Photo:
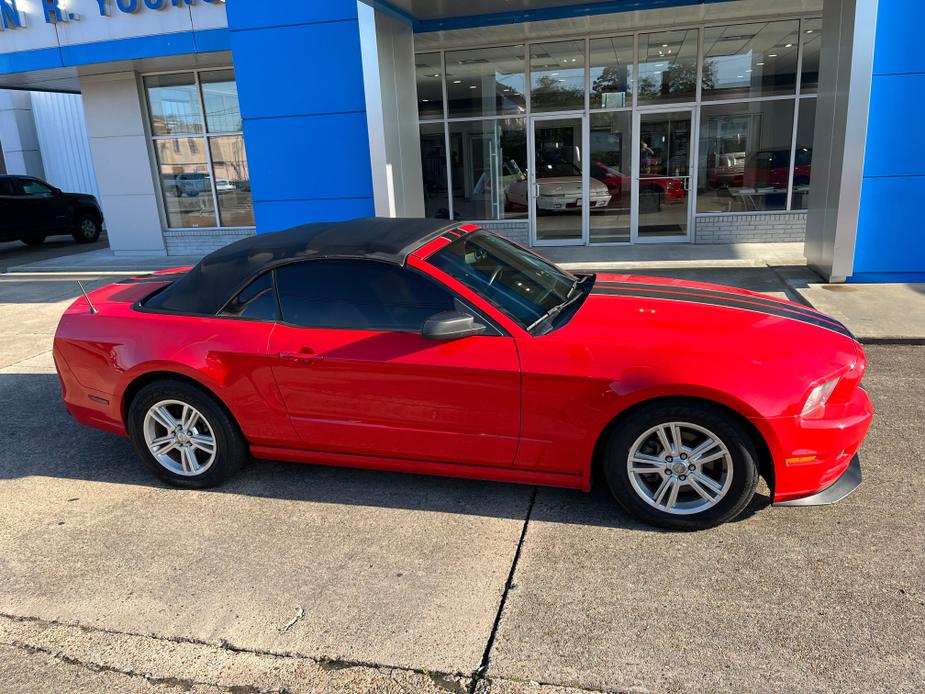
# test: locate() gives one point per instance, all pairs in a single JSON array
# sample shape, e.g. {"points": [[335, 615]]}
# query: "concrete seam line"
{"points": [[482, 670]]}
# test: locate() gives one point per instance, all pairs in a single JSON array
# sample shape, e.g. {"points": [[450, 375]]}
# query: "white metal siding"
{"points": [[62, 135]]}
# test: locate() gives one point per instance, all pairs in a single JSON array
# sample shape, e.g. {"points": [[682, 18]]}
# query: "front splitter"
{"points": [[835, 492]]}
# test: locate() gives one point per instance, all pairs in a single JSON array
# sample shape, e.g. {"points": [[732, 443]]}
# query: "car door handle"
{"points": [[300, 356]]}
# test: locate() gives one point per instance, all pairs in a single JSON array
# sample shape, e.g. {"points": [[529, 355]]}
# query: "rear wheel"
{"points": [[184, 436], [34, 240], [683, 467], [87, 230]]}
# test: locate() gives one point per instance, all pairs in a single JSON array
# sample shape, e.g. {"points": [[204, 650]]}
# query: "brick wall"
{"points": [[517, 231], [202, 242], [743, 228]]}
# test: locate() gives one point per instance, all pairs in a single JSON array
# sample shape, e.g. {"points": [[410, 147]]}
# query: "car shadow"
{"points": [[49, 443]]}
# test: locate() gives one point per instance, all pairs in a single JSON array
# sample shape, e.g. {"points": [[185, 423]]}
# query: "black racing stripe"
{"points": [[764, 301], [152, 278], [726, 303]]}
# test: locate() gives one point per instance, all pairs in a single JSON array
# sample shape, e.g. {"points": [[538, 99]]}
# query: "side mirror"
{"points": [[451, 325]]}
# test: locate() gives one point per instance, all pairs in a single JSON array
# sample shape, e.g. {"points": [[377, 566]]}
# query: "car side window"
{"points": [[7, 187], [358, 295], [36, 189], [257, 301]]}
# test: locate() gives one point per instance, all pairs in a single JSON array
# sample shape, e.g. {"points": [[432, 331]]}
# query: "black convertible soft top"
{"points": [[220, 275]]}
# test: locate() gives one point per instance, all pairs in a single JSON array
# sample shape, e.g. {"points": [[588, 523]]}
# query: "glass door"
{"points": [[557, 181], [662, 186]]}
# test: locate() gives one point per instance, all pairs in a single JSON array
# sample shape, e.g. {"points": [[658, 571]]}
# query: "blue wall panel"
{"points": [[300, 85], [890, 242], [309, 68]]}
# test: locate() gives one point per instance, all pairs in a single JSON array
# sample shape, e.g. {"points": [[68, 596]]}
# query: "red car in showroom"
{"points": [[425, 346]]}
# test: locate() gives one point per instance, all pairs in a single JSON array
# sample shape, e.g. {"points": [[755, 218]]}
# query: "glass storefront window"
{"points": [[232, 181], [433, 171], [220, 94], [557, 76], [803, 160], [174, 104], [486, 81], [611, 167], [183, 165], [745, 156], [812, 45], [750, 60], [668, 66], [430, 85], [488, 162], [612, 72], [204, 180]]}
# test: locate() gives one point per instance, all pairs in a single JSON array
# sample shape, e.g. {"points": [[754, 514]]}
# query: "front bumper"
{"points": [[849, 481], [813, 455]]}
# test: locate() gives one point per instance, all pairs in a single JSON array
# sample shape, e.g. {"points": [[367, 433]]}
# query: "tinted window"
{"points": [[257, 301], [6, 187], [519, 283], [358, 295], [35, 188]]}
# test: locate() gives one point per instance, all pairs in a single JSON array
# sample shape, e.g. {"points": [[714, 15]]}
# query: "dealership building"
{"points": [[555, 123]]}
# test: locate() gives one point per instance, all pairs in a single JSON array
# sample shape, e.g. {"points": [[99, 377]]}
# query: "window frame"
{"points": [[493, 329], [696, 103], [204, 136]]}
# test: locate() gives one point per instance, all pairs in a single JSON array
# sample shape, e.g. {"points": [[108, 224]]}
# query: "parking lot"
{"points": [[302, 578]]}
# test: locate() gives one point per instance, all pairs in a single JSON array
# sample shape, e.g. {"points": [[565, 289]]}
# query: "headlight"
{"points": [[819, 396]]}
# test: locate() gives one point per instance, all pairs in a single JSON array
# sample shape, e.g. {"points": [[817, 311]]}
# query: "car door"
{"points": [[11, 212], [44, 208], [357, 376]]}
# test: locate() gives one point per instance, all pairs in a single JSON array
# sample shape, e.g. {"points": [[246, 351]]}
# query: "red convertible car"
{"points": [[425, 346]]}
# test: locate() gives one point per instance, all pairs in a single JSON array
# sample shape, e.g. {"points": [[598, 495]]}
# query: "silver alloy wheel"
{"points": [[88, 228], [680, 468], [180, 438]]}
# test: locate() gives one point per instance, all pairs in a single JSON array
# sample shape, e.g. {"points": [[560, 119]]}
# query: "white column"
{"points": [[387, 46], [124, 174], [845, 74], [18, 138]]}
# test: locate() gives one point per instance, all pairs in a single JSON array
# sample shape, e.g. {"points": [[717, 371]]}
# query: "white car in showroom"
{"points": [[559, 189]]}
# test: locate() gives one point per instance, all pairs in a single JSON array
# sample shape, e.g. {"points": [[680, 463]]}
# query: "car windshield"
{"points": [[518, 283]]}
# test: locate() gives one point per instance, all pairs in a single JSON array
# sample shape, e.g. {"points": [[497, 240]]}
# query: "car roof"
{"points": [[221, 275]]}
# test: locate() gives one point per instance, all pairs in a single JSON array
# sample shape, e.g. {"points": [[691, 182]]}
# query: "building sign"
{"points": [[54, 11]]}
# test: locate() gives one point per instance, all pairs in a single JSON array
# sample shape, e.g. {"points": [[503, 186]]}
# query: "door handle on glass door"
{"points": [[305, 355]]}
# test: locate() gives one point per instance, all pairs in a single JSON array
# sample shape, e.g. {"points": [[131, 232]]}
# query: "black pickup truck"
{"points": [[31, 209]]}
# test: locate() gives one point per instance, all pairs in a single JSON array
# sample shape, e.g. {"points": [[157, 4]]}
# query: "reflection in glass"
{"points": [[185, 182], [812, 45], [668, 66], [557, 76], [664, 170], [750, 60], [430, 85], [174, 103], [232, 181], [803, 161], [612, 72], [486, 81], [611, 163], [559, 191], [489, 164], [745, 156], [220, 94], [433, 170]]}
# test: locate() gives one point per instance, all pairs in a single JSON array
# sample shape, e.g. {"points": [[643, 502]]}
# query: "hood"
{"points": [[568, 185], [728, 338], [83, 197]]}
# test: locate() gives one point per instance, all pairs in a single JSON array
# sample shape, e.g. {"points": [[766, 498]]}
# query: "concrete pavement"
{"points": [[303, 578]]}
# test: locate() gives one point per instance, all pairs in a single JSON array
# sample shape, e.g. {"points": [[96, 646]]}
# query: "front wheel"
{"points": [[184, 436], [682, 467], [88, 229]]}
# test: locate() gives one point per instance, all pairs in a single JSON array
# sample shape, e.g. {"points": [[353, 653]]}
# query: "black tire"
{"points": [[87, 229], [34, 240], [721, 425], [231, 453]]}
